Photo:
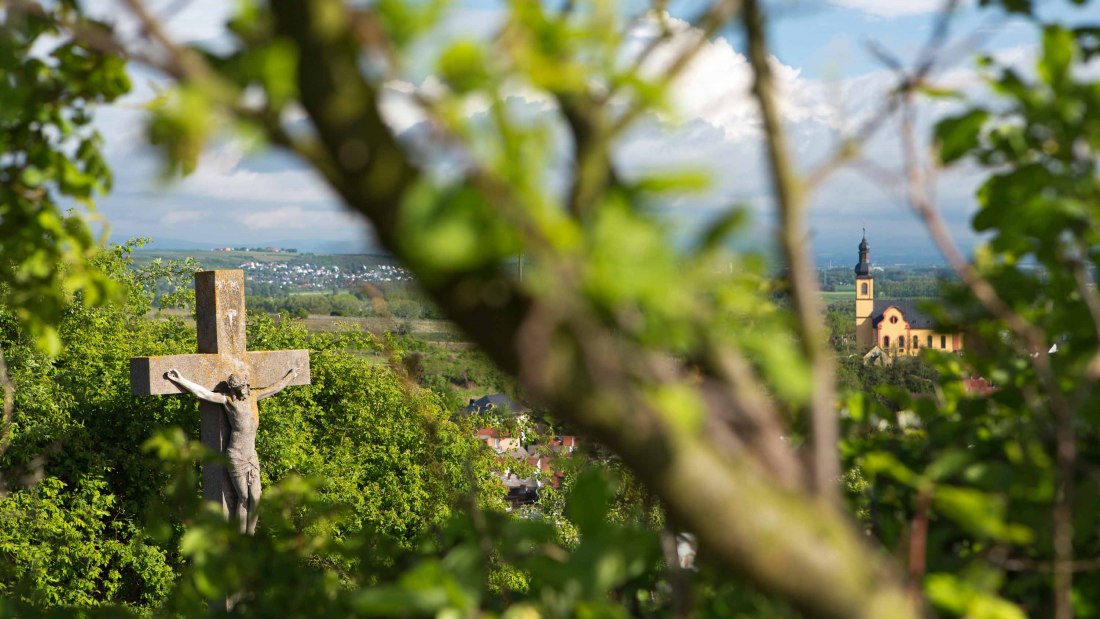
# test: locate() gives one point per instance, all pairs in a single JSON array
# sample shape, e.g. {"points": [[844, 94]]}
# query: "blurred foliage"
{"points": [[52, 159], [984, 471]]}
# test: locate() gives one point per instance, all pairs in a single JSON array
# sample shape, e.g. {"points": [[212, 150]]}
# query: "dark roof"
{"points": [[497, 401], [909, 308], [863, 268]]}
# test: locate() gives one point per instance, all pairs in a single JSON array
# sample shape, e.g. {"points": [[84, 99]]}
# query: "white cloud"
{"points": [[180, 216], [714, 93], [714, 127], [715, 86], [297, 218], [221, 175], [190, 22]]}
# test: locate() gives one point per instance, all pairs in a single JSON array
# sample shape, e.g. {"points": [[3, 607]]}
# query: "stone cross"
{"points": [[219, 317]]}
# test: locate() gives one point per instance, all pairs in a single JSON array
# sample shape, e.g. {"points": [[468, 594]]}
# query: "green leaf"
{"points": [[940, 93], [958, 135], [881, 462], [589, 501], [462, 67], [32, 176], [1059, 49], [947, 464], [950, 593], [981, 513]]}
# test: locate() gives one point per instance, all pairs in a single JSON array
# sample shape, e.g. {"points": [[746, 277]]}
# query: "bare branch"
{"points": [[791, 204], [918, 544], [930, 56], [183, 63]]}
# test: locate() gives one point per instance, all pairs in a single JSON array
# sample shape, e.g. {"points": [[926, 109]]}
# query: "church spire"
{"points": [[863, 268]]}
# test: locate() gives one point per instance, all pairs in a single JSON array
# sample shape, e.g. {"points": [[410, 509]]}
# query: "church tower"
{"points": [[865, 297]]}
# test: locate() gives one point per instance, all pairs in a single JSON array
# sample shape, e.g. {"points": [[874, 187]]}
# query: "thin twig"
{"points": [[679, 584], [754, 416], [791, 203], [1027, 565], [918, 544], [1085, 286], [184, 64], [929, 58]]}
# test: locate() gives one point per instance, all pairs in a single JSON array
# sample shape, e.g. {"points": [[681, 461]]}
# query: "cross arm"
{"points": [[265, 367], [267, 392], [270, 368], [147, 373]]}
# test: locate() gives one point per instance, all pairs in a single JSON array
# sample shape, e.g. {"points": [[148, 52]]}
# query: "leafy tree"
{"points": [[66, 547], [311, 304], [51, 157], [345, 304]]}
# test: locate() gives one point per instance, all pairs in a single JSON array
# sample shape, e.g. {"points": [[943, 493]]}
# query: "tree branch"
{"points": [[791, 204]]}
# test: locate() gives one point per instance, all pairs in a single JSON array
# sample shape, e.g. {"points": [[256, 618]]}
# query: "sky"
{"points": [[829, 82]]}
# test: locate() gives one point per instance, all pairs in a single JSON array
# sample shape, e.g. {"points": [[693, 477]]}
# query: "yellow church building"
{"points": [[894, 326]]}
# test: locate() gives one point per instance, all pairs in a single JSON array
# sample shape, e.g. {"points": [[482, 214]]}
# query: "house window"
{"points": [[893, 320], [863, 289], [886, 341], [916, 342], [943, 341], [930, 341]]}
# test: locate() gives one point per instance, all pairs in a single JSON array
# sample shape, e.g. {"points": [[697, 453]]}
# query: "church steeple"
{"points": [[863, 268], [865, 297]]}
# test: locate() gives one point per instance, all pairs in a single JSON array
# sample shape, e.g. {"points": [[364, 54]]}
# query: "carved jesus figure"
{"points": [[244, 418]]}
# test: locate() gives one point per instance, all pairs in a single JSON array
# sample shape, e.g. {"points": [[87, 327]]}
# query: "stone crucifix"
{"points": [[221, 376]]}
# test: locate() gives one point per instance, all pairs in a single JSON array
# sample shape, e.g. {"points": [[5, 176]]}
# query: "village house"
{"points": [[522, 482]]}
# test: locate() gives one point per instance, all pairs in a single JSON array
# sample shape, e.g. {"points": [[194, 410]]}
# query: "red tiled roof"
{"points": [[978, 386]]}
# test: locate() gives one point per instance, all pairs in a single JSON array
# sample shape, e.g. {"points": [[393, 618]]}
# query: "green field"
{"points": [[838, 295]]}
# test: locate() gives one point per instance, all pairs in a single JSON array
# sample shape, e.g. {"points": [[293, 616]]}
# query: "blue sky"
{"points": [[830, 82]]}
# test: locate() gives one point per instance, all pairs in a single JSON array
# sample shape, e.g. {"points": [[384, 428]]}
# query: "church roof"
{"points": [[497, 401], [909, 308], [863, 268]]}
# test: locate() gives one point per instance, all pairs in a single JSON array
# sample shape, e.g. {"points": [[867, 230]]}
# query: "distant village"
{"points": [[306, 276], [272, 250]]}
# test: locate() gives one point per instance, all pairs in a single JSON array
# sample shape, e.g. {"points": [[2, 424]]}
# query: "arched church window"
{"points": [[863, 289], [886, 341], [893, 320]]}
